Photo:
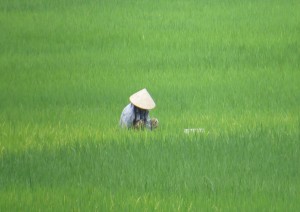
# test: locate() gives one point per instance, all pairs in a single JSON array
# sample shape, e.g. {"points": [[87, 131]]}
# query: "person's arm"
{"points": [[148, 121], [151, 123], [127, 116]]}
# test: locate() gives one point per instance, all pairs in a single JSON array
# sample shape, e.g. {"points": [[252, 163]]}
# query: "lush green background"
{"points": [[68, 67]]}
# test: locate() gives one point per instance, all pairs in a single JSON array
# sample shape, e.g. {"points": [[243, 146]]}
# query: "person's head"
{"points": [[140, 113]]}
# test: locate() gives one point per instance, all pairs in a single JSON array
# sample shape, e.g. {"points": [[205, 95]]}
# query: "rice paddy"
{"points": [[229, 68]]}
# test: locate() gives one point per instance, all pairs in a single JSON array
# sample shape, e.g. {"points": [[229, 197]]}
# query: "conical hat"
{"points": [[142, 99]]}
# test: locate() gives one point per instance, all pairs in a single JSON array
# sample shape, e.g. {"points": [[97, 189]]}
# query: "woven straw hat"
{"points": [[142, 99]]}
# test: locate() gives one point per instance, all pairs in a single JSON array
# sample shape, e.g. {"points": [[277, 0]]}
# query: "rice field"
{"points": [[231, 68]]}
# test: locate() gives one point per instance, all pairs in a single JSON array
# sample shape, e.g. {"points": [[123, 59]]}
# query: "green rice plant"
{"points": [[231, 68]]}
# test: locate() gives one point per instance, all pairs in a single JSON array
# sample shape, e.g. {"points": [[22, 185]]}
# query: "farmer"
{"points": [[136, 114]]}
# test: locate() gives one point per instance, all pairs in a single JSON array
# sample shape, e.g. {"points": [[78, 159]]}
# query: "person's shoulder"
{"points": [[128, 108], [129, 105]]}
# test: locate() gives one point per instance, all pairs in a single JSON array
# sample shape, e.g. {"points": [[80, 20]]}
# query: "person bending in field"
{"points": [[136, 113]]}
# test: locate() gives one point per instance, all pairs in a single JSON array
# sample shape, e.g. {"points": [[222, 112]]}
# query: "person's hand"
{"points": [[154, 123], [139, 125]]}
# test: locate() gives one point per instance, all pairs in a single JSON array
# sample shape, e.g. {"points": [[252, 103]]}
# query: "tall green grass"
{"points": [[68, 67]]}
